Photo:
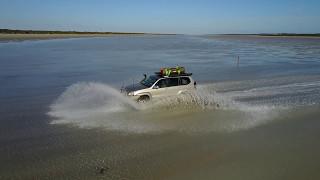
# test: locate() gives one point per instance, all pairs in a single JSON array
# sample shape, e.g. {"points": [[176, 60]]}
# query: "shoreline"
{"points": [[9, 35], [4, 37], [265, 36]]}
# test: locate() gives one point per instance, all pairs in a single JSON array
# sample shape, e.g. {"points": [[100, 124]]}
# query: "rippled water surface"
{"points": [[62, 115]]}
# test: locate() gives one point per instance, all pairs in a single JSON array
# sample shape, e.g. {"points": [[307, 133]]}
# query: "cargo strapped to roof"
{"points": [[173, 72]]}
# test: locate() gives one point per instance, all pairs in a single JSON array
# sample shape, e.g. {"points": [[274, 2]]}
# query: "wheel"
{"points": [[143, 99]]}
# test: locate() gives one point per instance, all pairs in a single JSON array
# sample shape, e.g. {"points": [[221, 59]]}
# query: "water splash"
{"points": [[91, 105], [83, 100]]}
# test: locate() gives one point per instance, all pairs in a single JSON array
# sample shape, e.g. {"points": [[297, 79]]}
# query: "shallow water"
{"points": [[62, 115]]}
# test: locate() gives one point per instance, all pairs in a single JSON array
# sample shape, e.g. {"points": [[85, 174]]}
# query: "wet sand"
{"points": [[285, 149], [60, 119]]}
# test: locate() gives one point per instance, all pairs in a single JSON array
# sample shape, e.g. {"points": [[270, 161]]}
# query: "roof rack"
{"points": [[173, 72], [173, 75]]}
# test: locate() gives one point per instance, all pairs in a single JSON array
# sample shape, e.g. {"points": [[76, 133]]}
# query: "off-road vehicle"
{"points": [[167, 82]]}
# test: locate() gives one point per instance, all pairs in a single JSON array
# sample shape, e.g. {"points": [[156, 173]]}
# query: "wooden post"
{"points": [[238, 61]]}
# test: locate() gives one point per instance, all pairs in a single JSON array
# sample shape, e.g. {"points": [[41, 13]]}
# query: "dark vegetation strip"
{"points": [[291, 34], [277, 34], [11, 31]]}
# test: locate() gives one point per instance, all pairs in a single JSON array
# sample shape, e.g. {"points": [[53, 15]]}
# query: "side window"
{"points": [[184, 80], [161, 83], [173, 82]]}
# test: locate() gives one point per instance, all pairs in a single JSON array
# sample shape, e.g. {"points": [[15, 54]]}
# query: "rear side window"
{"points": [[172, 82], [184, 80]]}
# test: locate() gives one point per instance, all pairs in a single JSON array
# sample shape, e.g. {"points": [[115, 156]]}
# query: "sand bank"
{"points": [[22, 37], [255, 36]]}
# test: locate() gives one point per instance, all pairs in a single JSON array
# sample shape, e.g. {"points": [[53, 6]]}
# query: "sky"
{"points": [[163, 16]]}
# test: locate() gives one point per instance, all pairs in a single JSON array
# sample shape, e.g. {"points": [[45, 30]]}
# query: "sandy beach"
{"points": [[22, 37]]}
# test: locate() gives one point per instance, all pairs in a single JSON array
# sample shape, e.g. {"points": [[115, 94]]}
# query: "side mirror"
{"points": [[155, 87]]}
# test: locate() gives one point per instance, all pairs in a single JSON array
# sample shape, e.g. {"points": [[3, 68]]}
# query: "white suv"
{"points": [[158, 86]]}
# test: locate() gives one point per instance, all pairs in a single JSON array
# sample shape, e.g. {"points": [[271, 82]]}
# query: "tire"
{"points": [[143, 99]]}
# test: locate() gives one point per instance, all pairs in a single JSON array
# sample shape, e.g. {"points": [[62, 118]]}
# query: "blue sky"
{"points": [[164, 16]]}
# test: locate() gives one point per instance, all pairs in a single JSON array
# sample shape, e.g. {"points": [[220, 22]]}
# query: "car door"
{"points": [[172, 86], [159, 89]]}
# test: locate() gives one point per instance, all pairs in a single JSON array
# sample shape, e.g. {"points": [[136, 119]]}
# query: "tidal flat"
{"points": [[63, 117]]}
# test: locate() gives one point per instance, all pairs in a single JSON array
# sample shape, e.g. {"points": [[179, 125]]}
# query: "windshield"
{"points": [[150, 80]]}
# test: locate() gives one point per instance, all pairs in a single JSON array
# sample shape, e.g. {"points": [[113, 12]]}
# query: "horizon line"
{"points": [[37, 31]]}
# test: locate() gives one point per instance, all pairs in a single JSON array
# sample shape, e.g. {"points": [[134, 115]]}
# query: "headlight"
{"points": [[131, 93]]}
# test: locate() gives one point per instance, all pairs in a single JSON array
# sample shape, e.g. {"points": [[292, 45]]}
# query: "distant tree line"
{"points": [[278, 34], [291, 34], [11, 31]]}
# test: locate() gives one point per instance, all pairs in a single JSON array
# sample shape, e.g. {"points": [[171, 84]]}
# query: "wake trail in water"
{"points": [[210, 108]]}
